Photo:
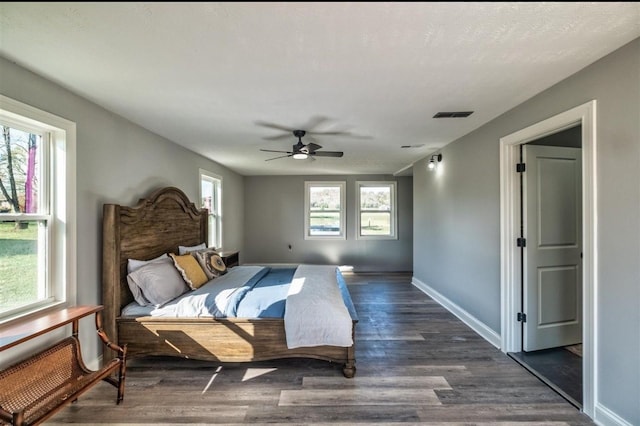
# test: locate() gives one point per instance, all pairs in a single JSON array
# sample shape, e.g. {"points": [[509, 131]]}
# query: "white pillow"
{"points": [[156, 283], [133, 264], [185, 249]]}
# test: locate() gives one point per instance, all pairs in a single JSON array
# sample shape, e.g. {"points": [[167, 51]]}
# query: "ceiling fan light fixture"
{"points": [[300, 156]]}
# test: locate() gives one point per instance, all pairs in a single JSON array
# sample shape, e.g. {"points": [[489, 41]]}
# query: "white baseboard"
{"points": [[606, 417], [479, 327]]}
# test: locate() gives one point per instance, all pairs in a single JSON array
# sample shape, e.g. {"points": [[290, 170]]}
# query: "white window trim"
{"points": [[394, 210], [206, 174], [63, 242], [343, 208]]}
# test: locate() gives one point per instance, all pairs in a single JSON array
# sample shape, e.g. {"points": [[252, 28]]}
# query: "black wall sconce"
{"points": [[435, 159]]}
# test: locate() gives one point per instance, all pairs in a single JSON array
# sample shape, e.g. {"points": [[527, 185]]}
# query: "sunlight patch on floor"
{"points": [[213, 377], [252, 373]]}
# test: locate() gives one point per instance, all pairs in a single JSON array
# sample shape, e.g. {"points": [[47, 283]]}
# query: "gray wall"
{"points": [[457, 218], [117, 162], [274, 218]]}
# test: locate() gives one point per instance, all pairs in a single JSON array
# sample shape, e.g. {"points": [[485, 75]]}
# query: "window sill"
{"points": [[29, 314]]}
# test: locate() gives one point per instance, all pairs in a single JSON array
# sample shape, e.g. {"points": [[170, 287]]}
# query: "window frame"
{"points": [[342, 185], [59, 194], [393, 213], [216, 215]]}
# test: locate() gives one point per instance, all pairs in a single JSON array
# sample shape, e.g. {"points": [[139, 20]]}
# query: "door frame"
{"points": [[510, 268]]}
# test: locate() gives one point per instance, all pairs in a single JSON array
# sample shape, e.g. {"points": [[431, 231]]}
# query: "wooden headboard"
{"points": [[158, 224]]}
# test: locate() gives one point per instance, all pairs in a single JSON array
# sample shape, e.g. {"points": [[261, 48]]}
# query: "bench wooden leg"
{"points": [[122, 356], [122, 374]]}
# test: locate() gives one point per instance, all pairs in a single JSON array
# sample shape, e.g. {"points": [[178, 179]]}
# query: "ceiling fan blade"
{"points": [[314, 122], [272, 150], [274, 126], [328, 153], [312, 147], [277, 137], [331, 133], [282, 156], [341, 133]]}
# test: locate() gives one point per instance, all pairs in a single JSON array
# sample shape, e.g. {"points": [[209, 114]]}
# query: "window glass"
{"points": [[324, 206], [211, 199], [377, 209], [24, 220]]}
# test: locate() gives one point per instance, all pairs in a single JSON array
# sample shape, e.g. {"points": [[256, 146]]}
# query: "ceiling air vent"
{"points": [[412, 146], [455, 114]]}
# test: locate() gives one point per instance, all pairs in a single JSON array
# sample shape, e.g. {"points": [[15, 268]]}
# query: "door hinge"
{"points": [[521, 242], [522, 317], [520, 167]]}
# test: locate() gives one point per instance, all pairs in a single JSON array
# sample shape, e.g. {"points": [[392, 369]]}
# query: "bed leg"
{"points": [[349, 369]]}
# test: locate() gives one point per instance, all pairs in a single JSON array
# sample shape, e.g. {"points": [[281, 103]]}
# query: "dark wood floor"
{"points": [[558, 368], [416, 364]]}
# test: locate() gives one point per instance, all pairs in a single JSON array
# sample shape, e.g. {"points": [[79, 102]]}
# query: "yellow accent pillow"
{"points": [[191, 271]]}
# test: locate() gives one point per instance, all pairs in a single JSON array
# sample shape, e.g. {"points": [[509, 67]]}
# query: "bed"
{"points": [[157, 225]]}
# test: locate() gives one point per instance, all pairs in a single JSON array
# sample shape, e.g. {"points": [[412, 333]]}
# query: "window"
{"points": [[211, 199], [37, 210], [324, 204], [376, 216]]}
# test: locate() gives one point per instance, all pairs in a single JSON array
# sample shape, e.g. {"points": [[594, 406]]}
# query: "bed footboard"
{"points": [[223, 340]]}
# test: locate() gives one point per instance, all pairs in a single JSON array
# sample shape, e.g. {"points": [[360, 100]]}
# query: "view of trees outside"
{"points": [[19, 171], [324, 203], [375, 210]]}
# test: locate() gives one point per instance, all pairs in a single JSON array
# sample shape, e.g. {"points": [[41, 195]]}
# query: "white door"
{"points": [[553, 229]]}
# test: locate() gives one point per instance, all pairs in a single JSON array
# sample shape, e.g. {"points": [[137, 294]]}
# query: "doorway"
{"points": [[551, 261], [511, 262]]}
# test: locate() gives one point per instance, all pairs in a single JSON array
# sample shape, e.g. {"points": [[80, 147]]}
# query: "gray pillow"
{"points": [[156, 283], [186, 249], [133, 264]]}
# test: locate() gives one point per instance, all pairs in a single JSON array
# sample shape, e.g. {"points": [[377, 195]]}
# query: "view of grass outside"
{"points": [[375, 223], [18, 265], [324, 223]]}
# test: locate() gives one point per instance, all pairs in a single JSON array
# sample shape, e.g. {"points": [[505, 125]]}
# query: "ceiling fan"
{"points": [[301, 151], [311, 125]]}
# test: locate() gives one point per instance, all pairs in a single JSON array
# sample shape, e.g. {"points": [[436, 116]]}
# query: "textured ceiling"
{"points": [[206, 75]]}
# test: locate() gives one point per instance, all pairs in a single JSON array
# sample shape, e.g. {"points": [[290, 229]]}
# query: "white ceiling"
{"points": [[204, 75]]}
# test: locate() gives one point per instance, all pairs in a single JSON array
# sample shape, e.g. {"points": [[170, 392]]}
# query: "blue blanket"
{"points": [[267, 296]]}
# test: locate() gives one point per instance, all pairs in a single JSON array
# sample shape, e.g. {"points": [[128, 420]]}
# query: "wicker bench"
{"points": [[34, 389]]}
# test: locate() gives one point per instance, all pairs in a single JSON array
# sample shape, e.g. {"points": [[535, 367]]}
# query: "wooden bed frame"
{"points": [[159, 224]]}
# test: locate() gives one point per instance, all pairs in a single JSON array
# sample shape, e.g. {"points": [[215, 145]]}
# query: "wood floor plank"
{"points": [[358, 396], [552, 412], [417, 364], [396, 382]]}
